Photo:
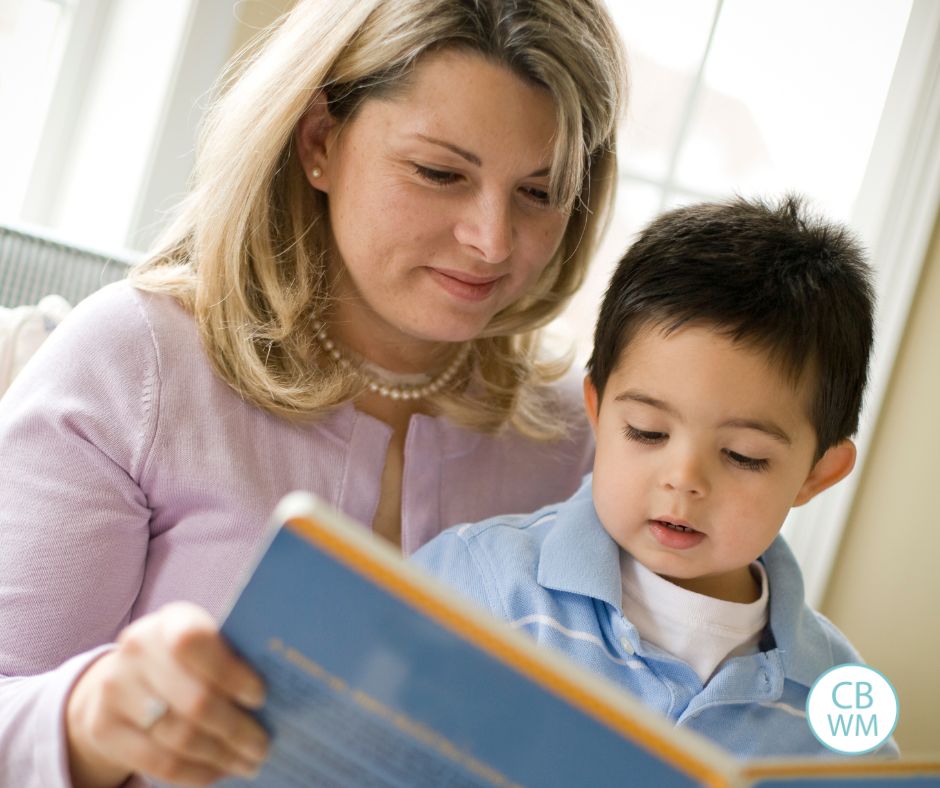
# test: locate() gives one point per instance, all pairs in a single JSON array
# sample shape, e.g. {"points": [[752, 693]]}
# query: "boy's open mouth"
{"points": [[675, 534], [675, 526]]}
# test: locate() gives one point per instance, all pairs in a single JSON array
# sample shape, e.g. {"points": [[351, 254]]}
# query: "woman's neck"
{"points": [[390, 355]]}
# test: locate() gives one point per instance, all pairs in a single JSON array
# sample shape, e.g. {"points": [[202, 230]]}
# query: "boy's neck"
{"points": [[738, 586]]}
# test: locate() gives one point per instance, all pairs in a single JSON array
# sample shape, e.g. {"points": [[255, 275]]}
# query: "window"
{"points": [[33, 34], [720, 103], [107, 95], [835, 99]]}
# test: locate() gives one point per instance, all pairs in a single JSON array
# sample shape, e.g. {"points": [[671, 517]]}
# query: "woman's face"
{"points": [[438, 204]]}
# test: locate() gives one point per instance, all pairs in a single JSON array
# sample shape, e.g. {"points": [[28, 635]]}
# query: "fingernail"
{"points": [[255, 749], [252, 698], [245, 769]]}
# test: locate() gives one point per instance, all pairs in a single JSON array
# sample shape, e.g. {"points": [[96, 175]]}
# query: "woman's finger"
{"points": [[150, 757], [183, 745], [173, 672], [194, 641], [182, 716], [145, 708], [213, 728], [113, 729]]}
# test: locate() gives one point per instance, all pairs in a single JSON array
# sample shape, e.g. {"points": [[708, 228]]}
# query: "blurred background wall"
{"points": [[884, 591]]}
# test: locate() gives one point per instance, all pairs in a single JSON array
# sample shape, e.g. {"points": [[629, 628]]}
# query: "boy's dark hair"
{"points": [[769, 276]]}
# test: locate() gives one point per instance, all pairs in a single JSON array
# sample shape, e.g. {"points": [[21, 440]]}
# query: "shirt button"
{"points": [[627, 645]]}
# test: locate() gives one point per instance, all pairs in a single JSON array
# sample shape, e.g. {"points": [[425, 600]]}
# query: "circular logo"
{"points": [[852, 709]]}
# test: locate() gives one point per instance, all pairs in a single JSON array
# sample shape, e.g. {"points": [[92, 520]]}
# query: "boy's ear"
{"points": [[832, 467], [313, 137], [590, 402]]}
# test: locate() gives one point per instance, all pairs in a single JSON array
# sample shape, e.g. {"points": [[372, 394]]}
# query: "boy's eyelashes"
{"points": [[651, 438], [643, 436], [748, 463]]}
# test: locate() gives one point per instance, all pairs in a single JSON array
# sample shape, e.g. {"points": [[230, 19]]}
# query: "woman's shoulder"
{"points": [[122, 310], [126, 328], [116, 340], [106, 330], [508, 471]]}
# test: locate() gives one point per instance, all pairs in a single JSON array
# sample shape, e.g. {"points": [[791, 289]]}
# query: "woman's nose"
{"points": [[487, 229]]}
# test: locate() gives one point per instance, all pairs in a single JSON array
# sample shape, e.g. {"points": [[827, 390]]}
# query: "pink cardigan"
{"points": [[130, 476]]}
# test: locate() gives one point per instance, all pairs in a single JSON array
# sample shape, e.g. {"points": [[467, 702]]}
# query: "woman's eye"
{"points": [[644, 436], [747, 463], [437, 177], [538, 196]]}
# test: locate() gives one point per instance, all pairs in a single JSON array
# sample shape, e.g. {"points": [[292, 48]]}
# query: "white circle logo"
{"points": [[852, 709]]}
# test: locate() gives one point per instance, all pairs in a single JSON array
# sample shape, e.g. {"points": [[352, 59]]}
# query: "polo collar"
{"points": [[802, 642], [578, 556]]}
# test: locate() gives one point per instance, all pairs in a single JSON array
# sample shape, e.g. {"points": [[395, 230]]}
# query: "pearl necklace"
{"points": [[389, 384]]}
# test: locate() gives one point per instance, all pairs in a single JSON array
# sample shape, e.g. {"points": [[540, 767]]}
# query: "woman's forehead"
{"points": [[469, 106]]}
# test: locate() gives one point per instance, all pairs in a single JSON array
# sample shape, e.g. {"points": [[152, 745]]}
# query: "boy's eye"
{"points": [[644, 436], [437, 177], [748, 463]]}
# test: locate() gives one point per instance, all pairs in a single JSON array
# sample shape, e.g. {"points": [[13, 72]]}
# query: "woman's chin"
{"points": [[451, 326]]}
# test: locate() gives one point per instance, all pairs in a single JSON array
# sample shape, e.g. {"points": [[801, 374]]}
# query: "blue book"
{"points": [[379, 676]]}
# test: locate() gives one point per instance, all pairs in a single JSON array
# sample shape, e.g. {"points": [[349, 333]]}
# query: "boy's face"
{"points": [[702, 449]]}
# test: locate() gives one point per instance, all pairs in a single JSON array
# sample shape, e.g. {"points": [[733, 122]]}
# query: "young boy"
{"points": [[730, 357]]}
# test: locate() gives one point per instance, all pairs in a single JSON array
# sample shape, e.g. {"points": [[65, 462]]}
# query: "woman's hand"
{"points": [[168, 702]]}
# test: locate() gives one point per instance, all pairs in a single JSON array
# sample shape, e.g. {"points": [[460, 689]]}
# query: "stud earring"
{"points": [[316, 172]]}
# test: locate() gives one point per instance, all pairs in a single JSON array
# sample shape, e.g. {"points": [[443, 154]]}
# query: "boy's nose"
{"points": [[685, 473]]}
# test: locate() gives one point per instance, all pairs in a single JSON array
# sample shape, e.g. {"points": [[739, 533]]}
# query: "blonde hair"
{"points": [[247, 251]]}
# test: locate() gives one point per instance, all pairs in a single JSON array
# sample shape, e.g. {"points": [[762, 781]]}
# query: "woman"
{"points": [[390, 198]]}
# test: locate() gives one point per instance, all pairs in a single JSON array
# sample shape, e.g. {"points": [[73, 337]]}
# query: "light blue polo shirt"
{"points": [[555, 574]]}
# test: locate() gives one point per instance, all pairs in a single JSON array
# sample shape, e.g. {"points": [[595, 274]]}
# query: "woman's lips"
{"points": [[675, 534], [462, 285]]}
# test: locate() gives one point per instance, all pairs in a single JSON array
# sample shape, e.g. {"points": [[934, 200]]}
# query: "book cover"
{"points": [[377, 675]]}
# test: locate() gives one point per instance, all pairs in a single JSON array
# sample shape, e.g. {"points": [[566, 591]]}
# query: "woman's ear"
{"points": [[313, 137], [832, 467], [590, 402]]}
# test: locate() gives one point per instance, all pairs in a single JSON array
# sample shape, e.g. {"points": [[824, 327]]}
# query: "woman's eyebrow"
{"points": [[472, 157], [465, 154]]}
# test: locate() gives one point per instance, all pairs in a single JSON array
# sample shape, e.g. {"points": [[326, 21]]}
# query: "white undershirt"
{"points": [[698, 629]]}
